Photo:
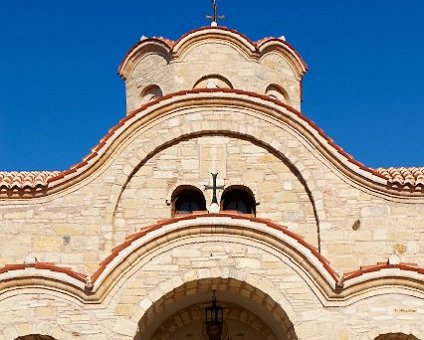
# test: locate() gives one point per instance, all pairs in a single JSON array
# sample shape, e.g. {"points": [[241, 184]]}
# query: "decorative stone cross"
{"points": [[214, 187], [215, 17]]}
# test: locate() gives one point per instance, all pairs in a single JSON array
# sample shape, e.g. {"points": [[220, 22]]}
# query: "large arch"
{"points": [[238, 322], [242, 303]]}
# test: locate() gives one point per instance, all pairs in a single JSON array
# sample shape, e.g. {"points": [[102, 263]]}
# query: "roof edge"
{"points": [[175, 48], [54, 179]]}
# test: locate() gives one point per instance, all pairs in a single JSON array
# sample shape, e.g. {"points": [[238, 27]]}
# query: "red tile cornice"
{"points": [[380, 266], [89, 284], [45, 266], [234, 215], [35, 184]]}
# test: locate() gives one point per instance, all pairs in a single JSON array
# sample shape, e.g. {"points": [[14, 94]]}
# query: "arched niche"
{"points": [[278, 92], [150, 93], [248, 312], [213, 81]]}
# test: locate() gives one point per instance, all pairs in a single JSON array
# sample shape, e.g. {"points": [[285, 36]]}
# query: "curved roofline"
{"points": [[176, 48], [271, 44], [143, 46], [370, 178], [123, 256]]}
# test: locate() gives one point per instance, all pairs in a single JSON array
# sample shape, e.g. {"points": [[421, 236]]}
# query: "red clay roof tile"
{"points": [[16, 179], [412, 176]]}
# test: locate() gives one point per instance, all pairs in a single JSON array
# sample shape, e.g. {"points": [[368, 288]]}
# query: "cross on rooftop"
{"points": [[215, 17]]}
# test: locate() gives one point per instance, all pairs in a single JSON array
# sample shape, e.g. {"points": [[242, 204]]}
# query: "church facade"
{"points": [[213, 184]]}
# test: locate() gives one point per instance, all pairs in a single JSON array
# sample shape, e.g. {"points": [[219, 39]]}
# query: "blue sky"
{"points": [[60, 92]]}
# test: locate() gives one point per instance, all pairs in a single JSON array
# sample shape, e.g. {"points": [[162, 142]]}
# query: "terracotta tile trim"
{"points": [[339, 280], [251, 94], [170, 44], [54, 177], [264, 41], [233, 215], [380, 266], [132, 114], [89, 281], [44, 266]]}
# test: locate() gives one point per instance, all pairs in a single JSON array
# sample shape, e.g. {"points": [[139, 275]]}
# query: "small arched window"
{"points": [[239, 199], [188, 199]]}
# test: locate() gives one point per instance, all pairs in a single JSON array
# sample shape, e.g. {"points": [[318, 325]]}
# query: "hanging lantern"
{"points": [[214, 320]]}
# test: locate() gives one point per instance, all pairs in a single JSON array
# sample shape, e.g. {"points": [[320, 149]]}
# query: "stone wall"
{"points": [[245, 270], [276, 280], [293, 182], [280, 195], [216, 59]]}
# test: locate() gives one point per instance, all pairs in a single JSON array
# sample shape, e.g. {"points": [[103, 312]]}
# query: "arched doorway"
{"points": [[249, 313]]}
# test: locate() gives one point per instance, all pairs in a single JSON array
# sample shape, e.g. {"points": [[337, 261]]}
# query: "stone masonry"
{"points": [[333, 251]]}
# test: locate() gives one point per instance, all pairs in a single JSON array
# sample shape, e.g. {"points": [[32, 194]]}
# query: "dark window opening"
{"points": [[189, 200], [239, 200]]}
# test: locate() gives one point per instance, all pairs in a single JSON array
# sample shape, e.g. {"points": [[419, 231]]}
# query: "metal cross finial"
{"points": [[214, 187], [215, 17]]}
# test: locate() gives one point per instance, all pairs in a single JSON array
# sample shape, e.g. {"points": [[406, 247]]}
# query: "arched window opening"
{"points": [[213, 81], [150, 93], [277, 92], [188, 199], [238, 199]]}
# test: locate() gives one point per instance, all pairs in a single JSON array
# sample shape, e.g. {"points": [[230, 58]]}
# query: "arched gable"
{"points": [[265, 107], [337, 189]]}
